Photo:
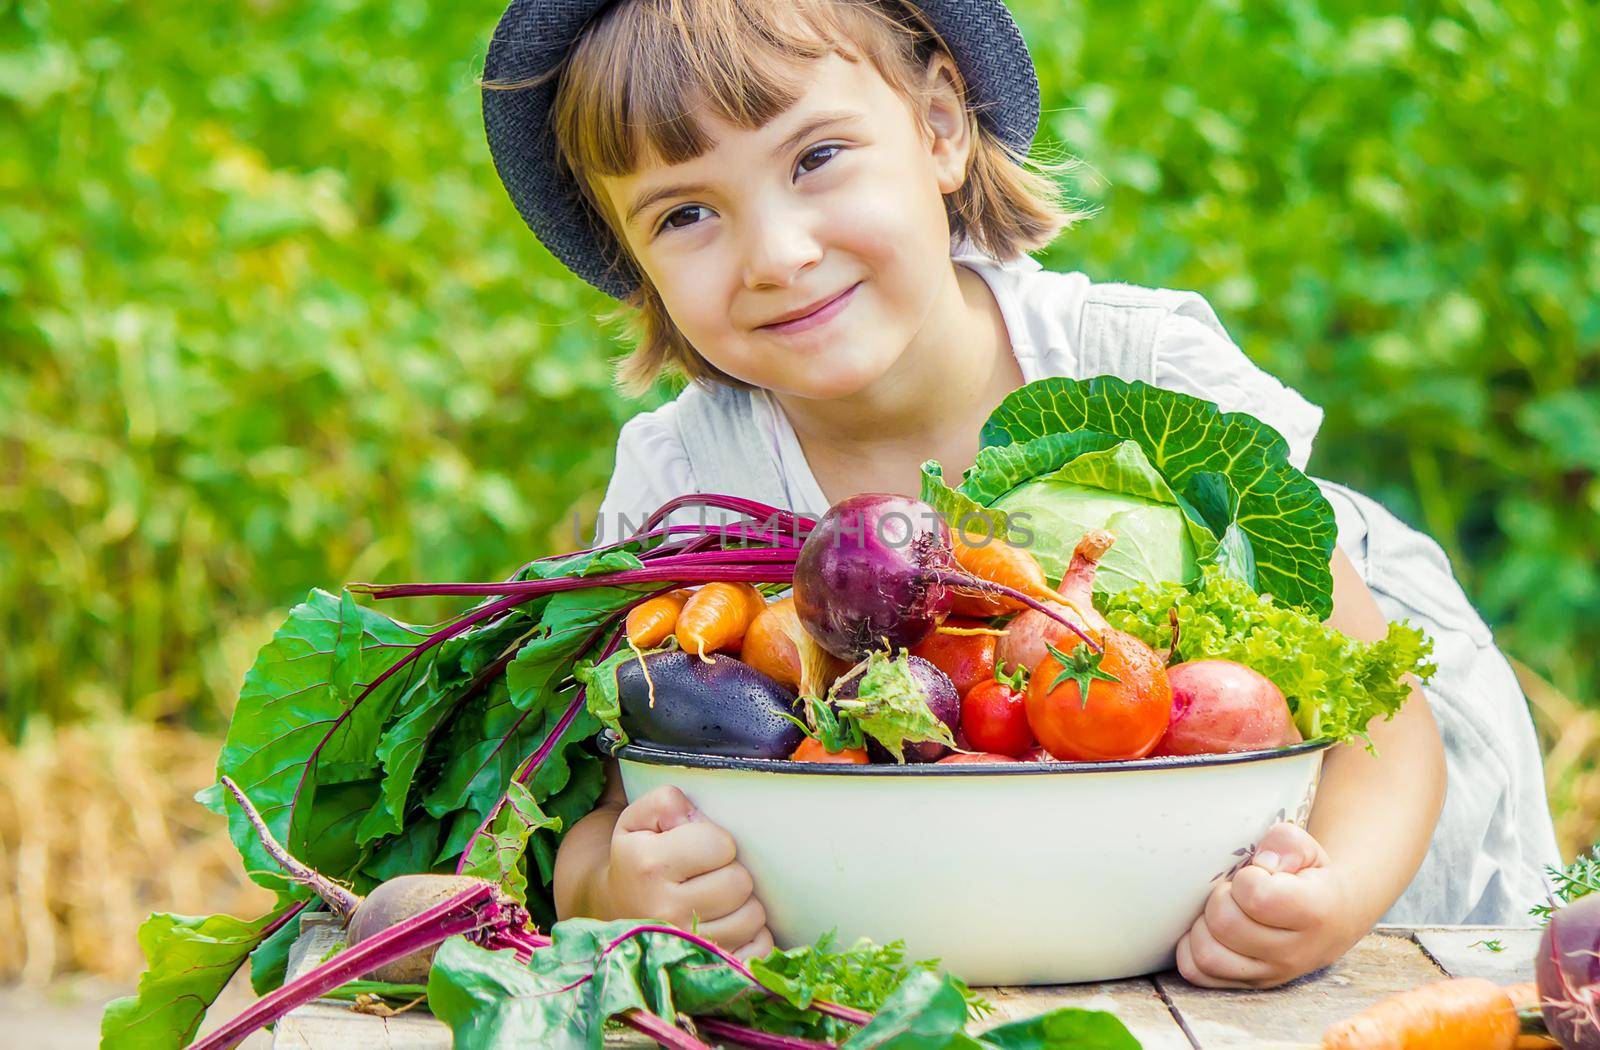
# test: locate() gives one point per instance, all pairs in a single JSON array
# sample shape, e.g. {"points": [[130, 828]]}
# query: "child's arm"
{"points": [[657, 858], [1307, 898]]}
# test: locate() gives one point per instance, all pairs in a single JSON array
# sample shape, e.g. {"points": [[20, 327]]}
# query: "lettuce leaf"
{"points": [[1335, 685]]}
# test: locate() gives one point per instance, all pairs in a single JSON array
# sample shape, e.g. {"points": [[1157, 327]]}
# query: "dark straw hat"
{"points": [[535, 35]]}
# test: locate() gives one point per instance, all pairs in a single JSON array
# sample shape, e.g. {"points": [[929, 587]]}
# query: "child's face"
{"points": [[771, 222]]}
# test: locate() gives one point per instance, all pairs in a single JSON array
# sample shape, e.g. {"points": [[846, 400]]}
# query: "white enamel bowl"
{"points": [[1033, 873]]}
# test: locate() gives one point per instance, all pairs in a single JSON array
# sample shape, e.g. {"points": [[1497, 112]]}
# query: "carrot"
{"points": [[1457, 1013], [812, 750], [997, 561], [652, 622], [716, 617]]}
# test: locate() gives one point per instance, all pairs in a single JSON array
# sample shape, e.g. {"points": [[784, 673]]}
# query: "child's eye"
{"points": [[671, 221], [825, 152]]}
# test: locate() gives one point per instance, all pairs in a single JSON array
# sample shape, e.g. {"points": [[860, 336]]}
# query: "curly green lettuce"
{"points": [[1335, 685]]}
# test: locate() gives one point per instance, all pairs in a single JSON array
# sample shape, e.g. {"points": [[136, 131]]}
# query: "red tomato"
{"points": [[973, 756], [967, 659], [1122, 719], [811, 750], [994, 717]]}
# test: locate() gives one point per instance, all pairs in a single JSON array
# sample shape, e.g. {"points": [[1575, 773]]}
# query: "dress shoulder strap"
{"points": [[726, 450]]}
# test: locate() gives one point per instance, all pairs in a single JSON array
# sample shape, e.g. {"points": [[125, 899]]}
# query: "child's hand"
{"points": [[670, 863], [1283, 915]]}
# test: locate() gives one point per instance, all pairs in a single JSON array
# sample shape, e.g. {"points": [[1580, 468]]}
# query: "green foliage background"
{"points": [[267, 320]]}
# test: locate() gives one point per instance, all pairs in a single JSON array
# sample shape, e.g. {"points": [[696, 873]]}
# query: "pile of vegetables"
{"points": [[1192, 562]]}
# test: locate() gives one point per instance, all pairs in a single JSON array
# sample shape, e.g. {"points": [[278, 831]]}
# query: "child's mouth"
{"points": [[817, 317]]}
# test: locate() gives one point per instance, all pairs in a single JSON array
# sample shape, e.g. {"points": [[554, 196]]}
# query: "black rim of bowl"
{"points": [[653, 756]]}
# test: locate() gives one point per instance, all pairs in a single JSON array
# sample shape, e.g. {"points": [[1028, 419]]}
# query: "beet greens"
{"points": [[377, 748]]}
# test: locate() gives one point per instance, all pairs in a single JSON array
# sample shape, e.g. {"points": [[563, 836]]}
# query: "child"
{"points": [[819, 210]]}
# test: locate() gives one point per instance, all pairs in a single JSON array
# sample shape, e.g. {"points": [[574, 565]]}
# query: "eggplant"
{"points": [[719, 706]]}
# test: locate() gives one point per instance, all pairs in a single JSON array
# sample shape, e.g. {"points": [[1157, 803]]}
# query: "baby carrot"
{"points": [[997, 561], [1461, 1012], [652, 622], [716, 617]]}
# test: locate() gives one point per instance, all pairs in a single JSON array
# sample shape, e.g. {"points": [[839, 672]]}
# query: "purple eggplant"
{"points": [[719, 706]]}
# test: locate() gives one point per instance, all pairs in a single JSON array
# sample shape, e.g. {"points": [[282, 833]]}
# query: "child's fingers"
{"points": [[1204, 962], [1288, 848], [1288, 902], [717, 893], [759, 947], [660, 810], [1233, 929], [738, 929], [693, 849]]}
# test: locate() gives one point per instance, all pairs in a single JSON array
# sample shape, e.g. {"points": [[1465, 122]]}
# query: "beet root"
{"points": [[395, 901]]}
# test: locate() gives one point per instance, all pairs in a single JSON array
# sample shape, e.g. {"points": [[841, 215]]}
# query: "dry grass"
{"points": [[97, 829]]}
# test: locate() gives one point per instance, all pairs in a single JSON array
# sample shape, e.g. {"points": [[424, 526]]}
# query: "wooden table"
{"points": [[1164, 1011]]}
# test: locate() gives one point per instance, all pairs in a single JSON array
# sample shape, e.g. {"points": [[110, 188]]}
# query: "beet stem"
{"points": [[756, 1039], [525, 590], [423, 930], [662, 1031], [342, 901], [531, 764], [957, 579], [761, 512]]}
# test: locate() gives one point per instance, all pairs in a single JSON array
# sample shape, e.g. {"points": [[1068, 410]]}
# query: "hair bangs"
{"points": [[651, 71]]}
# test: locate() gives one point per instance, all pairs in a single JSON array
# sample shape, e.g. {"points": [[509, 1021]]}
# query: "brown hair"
{"points": [[634, 77]]}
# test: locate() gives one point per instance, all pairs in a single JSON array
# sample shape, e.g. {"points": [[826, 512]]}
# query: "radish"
{"points": [[1220, 706], [1027, 635], [878, 572]]}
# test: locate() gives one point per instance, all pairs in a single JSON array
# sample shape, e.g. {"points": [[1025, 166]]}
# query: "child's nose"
{"points": [[778, 249]]}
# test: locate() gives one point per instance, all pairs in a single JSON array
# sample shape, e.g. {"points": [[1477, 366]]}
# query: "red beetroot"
{"points": [[878, 573], [1220, 706]]}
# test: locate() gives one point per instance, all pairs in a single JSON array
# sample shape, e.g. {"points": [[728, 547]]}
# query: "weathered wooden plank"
{"points": [[1135, 1002], [1297, 1013], [328, 1023], [1470, 951]]}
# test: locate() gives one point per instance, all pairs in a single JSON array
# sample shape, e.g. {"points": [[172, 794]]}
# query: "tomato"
{"points": [[1121, 719], [811, 750], [994, 717], [966, 659], [973, 756]]}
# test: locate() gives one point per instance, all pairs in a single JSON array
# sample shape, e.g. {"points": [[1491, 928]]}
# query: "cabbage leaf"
{"points": [[1209, 487]]}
